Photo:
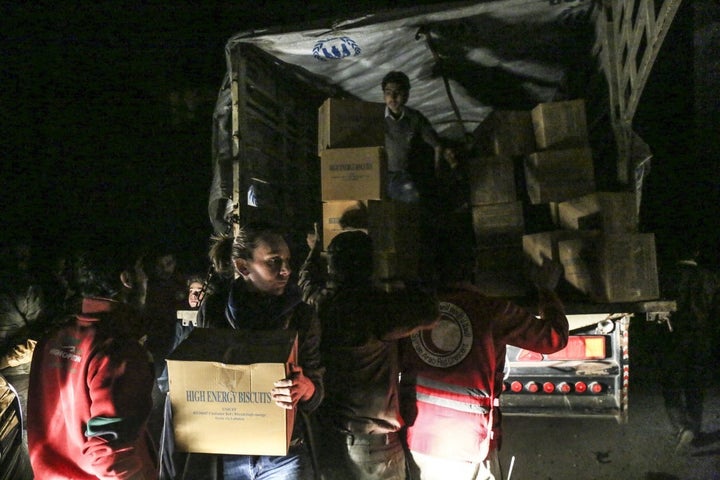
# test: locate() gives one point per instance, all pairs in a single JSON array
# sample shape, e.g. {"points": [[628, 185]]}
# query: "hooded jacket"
{"points": [[90, 399]]}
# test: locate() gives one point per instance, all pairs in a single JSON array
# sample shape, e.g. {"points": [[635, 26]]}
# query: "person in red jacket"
{"points": [[452, 375], [91, 380]]}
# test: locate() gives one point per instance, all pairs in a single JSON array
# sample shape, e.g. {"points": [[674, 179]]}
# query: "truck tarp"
{"points": [[464, 59]]}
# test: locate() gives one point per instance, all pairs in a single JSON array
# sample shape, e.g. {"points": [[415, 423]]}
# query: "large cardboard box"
{"points": [[612, 268], [501, 271], [560, 124], [500, 223], [558, 175], [506, 132], [612, 212], [395, 228], [544, 245], [341, 215], [352, 173], [220, 382], [492, 180], [349, 123]]}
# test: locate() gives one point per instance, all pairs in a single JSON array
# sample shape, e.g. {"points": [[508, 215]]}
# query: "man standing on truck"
{"points": [[407, 131], [687, 344], [452, 376]]}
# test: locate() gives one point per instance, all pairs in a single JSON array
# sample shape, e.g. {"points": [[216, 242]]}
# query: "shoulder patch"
{"points": [[449, 342]]}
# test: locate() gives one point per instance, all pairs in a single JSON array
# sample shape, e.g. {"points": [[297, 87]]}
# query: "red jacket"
{"points": [[453, 374], [90, 398]]}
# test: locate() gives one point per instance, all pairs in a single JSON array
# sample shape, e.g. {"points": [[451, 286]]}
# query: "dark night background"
{"points": [[107, 114]]}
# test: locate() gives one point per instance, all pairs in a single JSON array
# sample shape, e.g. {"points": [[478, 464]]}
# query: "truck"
{"points": [[469, 62]]}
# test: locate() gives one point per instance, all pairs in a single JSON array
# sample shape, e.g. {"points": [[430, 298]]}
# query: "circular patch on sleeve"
{"points": [[449, 342]]}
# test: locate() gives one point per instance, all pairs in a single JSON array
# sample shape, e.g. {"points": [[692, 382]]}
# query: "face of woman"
{"points": [[195, 294], [269, 269]]}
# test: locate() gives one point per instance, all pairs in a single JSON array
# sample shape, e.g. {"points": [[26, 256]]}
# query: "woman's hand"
{"points": [[296, 388]]}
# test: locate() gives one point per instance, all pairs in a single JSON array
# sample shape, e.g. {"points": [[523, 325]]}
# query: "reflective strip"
{"points": [[452, 404], [475, 393], [455, 397]]}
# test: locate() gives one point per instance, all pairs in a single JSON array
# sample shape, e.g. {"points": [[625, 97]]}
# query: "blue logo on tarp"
{"points": [[335, 48]]}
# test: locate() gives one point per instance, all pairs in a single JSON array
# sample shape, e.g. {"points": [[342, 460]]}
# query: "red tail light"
{"points": [[579, 347], [580, 387], [516, 386], [548, 387], [595, 387], [564, 387], [532, 387]]}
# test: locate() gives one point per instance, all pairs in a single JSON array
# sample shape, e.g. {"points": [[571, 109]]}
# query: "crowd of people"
{"points": [[85, 343]]}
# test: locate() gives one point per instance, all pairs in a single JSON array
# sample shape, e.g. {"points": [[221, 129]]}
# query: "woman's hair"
{"points": [[220, 255], [250, 236], [225, 249]]}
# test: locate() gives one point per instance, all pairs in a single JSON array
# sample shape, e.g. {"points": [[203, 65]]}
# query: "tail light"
{"points": [[579, 347], [595, 387], [564, 387]]}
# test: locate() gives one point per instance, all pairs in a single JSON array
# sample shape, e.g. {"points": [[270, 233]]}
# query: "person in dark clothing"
{"points": [[687, 344], [167, 293], [455, 210], [360, 419], [23, 317], [261, 297]]}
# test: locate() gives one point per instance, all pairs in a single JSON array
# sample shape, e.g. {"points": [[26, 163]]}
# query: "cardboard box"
{"points": [[612, 268], [500, 223], [540, 245], [395, 228], [612, 212], [560, 124], [353, 173], [349, 123], [492, 180], [220, 382], [402, 265], [337, 214], [558, 175], [506, 132], [501, 271]]}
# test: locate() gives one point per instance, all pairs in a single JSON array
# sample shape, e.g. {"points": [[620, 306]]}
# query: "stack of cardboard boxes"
{"points": [[595, 234], [351, 139], [533, 163]]}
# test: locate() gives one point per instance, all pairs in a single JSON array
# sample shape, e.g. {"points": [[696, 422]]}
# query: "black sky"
{"points": [[96, 129]]}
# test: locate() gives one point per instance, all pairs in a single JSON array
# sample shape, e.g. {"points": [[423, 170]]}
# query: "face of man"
{"points": [[195, 294], [165, 266], [138, 291], [269, 269], [395, 97]]}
